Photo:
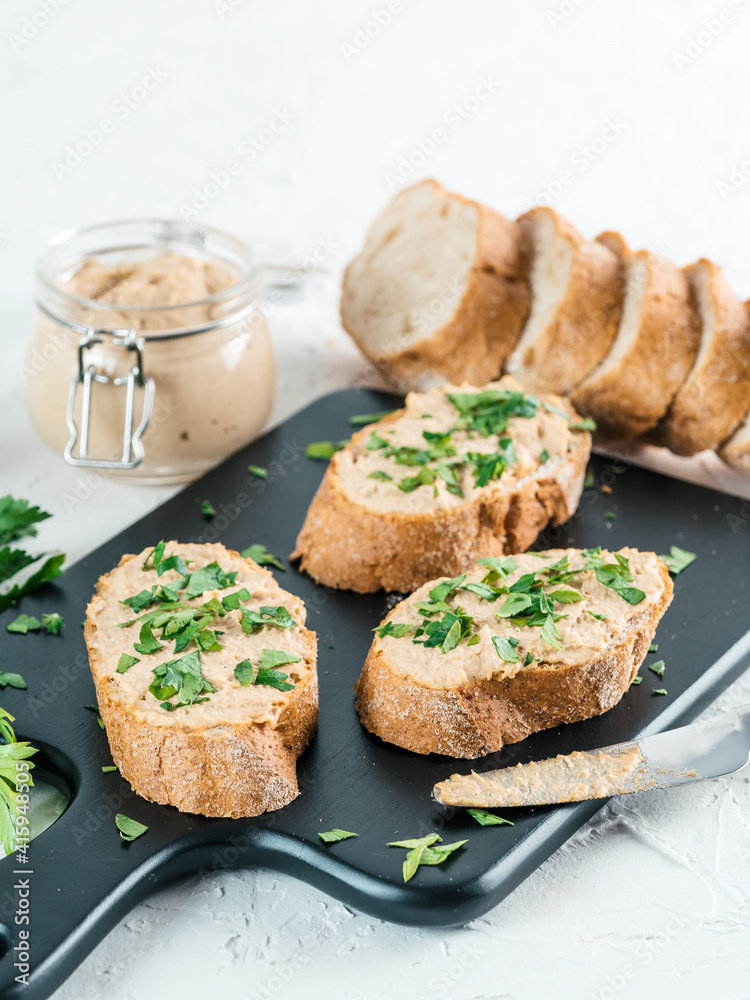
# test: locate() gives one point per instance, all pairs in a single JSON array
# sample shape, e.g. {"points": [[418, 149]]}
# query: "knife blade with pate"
{"points": [[691, 753]]}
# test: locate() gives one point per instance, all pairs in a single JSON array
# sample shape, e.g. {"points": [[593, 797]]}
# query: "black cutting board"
{"points": [[84, 879]]}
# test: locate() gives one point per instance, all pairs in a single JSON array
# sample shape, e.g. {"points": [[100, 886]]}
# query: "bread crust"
{"points": [[715, 396], [632, 397], [345, 545], [472, 345], [479, 719], [229, 770], [583, 326]]}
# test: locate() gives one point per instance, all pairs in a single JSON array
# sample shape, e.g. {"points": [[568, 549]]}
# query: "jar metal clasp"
{"points": [[86, 376]]}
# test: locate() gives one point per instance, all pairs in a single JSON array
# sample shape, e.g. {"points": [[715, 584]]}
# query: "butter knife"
{"points": [[692, 753]]}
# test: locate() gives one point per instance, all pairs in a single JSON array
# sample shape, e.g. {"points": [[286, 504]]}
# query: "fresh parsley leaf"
{"points": [[424, 852], [362, 419], [590, 481], [274, 617], [550, 633], [514, 605], [653, 647], [11, 680], [636, 680], [617, 576], [130, 829], [594, 614], [610, 516], [147, 642], [141, 600], [266, 674], [447, 632], [506, 648], [443, 590], [50, 569], [125, 662], [446, 472], [260, 554], [375, 442], [659, 691], [382, 476], [17, 519], [210, 577], [182, 677], [566, 595], [52, 623], [245, 672], [275, 679], [324, 450], [258, 470], [485, 591], [333, 836], [12, 561], [12, 754], [207, 509], [206, 639], [485, 818], [109, 768], [425, 477], [396, 629], [678, 559], [24, 624], [658, 668], [499, 569], [271, 658], [544, 457], [487, 413], [232, 601]]}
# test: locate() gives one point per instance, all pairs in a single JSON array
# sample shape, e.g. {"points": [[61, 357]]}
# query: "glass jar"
{"points": [[127, 370]]}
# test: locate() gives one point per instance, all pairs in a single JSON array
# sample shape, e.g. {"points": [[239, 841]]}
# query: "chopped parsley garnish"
{"points": [[130, 829], [610, 516], [267, 674], [24, 624], [653, 647], [258, 470], [324, 450], [425, 477], [678, 559], [12, 680], [260, 554], [659, 691], [379, 474], [425, 851], [125, 662], [446, 632], [109, 768], [636, 680], [232, 601], [362, 419], [333, 836], [147, 641], [396, 629], [506, 648], [544, 456], [488, 413], [658, 668], [182, 677], [587, 424], [273, 617], [53, 623], [485, 818], [375, 442], [207, 509]]}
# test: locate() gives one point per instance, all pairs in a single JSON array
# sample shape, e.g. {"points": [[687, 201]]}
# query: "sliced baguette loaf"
{"points": [[459, 473], [656, 344], [736, 451], [439, 291], [577, 289], [460, 669], [715, 396], [185, 729]]}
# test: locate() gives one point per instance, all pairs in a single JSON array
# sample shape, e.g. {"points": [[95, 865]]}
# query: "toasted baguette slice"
{"points": [[469, 701], [232, 753], [656, 345], [577, 289], [374, 524], [715, 396], [439, 293], [736, 451]]}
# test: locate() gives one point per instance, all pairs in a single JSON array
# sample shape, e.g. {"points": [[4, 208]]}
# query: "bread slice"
{"points": [[469, 701], [378, 522], [715, 396], [577, 289], [656, 344], [736, 451], [228, 749], [439, 292]]}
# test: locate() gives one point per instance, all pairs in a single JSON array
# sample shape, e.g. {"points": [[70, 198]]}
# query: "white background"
{"points": [[654, 895]]}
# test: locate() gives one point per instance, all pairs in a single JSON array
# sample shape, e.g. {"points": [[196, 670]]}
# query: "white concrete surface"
{"points": [[628, 115]]}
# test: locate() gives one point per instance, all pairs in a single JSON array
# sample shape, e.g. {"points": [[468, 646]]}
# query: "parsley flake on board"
{"points": [[97, 713], [425, 851], [12, 680], [53, 623], [14, 762], [258, 470], [260, 555], [658, 668], [24, 624], [659, 691], [267, 674], [485, 818], [108, 768], [207, 509], [636, 680], [678, 559], [333, 836], [130, 829]]}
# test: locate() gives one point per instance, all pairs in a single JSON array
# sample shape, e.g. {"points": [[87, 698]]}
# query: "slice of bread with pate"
{"points": [[206, 679], [656, 344], [459, 473], [577, 289], [514, 646], [715, 396], [439, 292]]}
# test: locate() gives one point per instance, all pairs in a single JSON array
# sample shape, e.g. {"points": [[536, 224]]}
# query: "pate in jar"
{"points": [[150, 354]]}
